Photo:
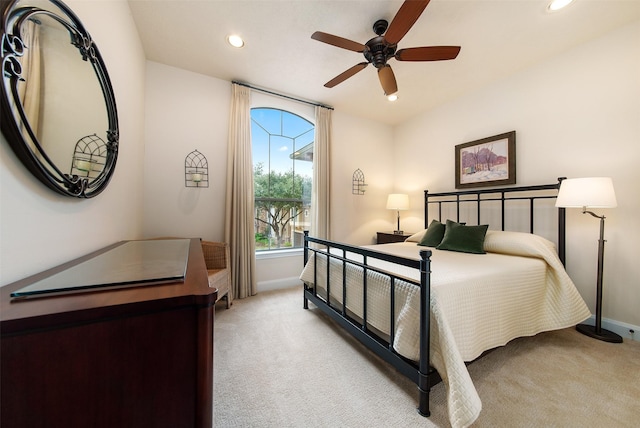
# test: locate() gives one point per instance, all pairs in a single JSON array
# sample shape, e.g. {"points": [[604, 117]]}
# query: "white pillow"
{"points": [[516, 243], [416, 237]]}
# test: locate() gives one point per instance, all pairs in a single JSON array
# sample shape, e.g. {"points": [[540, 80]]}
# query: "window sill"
{"points": [[276, 254]]}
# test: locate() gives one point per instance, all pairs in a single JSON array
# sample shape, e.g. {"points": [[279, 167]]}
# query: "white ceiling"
{"points": [[498, 38]]}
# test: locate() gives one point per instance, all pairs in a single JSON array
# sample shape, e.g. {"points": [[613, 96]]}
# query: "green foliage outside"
{"points": [[278, 202], [262, 240]]}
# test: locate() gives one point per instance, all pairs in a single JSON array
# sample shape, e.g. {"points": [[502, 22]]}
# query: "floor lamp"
{"points": [[593, 192], [398, 202]]}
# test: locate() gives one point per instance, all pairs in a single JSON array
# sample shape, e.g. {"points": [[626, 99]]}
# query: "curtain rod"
{"points": [[281, 95]]}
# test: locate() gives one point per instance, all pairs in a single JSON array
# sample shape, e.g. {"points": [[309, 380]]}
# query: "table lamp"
{"points": [[398, 202]]}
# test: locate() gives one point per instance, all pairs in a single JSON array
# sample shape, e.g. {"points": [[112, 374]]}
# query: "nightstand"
{"points": [[388, 237]]}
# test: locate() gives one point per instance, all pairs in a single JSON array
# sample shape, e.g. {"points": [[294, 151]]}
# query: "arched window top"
{"points": [[278, 122]]}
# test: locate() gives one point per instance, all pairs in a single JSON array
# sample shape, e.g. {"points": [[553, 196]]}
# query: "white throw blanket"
{"points": [[478, 302]]}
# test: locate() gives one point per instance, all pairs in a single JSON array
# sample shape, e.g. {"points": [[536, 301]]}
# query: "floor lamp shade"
{"points": [[593, 192], [398, 202]]}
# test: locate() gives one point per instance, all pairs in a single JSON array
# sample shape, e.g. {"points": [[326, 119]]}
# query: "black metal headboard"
{"points": [[501, 195]]}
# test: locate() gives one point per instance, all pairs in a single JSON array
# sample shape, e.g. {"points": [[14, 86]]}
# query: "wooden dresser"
{"points": [[127, 357]]}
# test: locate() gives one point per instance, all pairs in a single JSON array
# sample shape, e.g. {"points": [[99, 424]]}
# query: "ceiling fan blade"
{"points": [[428, 53], [338, 41], [345, 75], [407, 15], [387, 80]]}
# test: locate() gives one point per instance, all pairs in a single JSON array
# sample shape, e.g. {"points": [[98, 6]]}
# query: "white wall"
{"points": [[40, 229], [365, 145], [575, 115], [185, 111]]}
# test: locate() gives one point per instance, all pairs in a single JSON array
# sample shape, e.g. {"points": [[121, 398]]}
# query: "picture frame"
{"points": [[489, 161]]}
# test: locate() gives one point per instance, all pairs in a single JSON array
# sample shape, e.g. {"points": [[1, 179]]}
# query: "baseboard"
{"points": [[627, 331], [278, 284]]}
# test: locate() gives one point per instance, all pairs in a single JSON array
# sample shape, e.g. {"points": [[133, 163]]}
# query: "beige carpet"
{"points": [[278, 365]]}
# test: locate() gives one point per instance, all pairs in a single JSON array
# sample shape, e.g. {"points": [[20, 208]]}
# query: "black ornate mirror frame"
{"points": [[13, 119]]}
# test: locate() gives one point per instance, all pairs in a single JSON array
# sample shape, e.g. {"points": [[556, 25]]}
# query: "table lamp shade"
{"points": [[398, 201], [592, 192]]}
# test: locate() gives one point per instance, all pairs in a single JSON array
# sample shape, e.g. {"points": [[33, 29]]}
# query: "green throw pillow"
{"points": [[434, 234], [466, 239]]}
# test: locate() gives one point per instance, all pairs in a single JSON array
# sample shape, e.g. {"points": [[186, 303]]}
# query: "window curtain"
{"points": [[29, 88], [320, 189], [239, 204]]}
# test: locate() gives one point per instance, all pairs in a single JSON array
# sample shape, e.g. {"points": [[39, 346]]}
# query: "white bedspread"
{"points": [[478, 302]]}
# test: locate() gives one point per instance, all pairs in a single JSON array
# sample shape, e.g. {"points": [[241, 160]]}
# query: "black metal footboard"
{"points": [[421, 372]]}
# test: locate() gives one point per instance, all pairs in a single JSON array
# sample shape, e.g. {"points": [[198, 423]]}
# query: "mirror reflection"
{"points": [[59, 97]]}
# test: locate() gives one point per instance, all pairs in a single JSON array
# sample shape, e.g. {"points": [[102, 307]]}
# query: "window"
{"points": [[282, 150]]}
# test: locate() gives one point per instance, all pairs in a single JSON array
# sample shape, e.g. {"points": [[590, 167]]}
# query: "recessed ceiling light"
{"points": [[235, 41], [392, 97], [558, 4]]}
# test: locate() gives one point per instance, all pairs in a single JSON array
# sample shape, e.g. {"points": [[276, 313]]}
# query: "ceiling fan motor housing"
{"points": [[380, 26], [377, 51]]}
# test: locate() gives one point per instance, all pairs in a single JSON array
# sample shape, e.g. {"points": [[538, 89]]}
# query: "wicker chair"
{"points": [[216, 257]]}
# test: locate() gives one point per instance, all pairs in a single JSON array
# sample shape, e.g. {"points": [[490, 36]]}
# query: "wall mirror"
{"points": [[58, 107]]}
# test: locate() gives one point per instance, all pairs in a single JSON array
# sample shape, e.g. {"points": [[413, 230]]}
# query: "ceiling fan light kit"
{"points": [[555, 5], [380, 49], [235, 41]]}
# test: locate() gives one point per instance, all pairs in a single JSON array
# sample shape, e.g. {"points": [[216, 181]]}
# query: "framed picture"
{"points": [[490, 161]]}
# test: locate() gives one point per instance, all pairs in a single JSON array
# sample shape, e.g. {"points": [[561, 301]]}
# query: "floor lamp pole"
{"points": [[597, 331]]}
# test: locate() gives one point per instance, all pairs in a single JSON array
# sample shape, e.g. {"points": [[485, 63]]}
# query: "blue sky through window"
{"points": [[276, 135]]}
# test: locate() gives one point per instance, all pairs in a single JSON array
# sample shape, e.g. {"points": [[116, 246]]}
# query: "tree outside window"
{"points": [[282, 145]]}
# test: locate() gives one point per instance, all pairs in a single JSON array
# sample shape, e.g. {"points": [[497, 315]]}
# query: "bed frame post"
{"points": [[305, 303], [425, 312], [562, 228], [426, 209]]}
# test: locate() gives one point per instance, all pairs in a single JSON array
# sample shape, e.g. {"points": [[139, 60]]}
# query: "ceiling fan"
{"points": [[382, 48]]}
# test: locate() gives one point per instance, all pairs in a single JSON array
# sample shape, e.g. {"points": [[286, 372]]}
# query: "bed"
{"points": [[428, 311]]}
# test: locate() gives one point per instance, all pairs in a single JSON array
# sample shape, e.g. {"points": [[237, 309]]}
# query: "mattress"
{"points": [[478, 302]]}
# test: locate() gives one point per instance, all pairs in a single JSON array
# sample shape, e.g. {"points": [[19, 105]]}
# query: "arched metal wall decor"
{"points": [[357, 183], [89, 157], [78, 97], [196, 170]]}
